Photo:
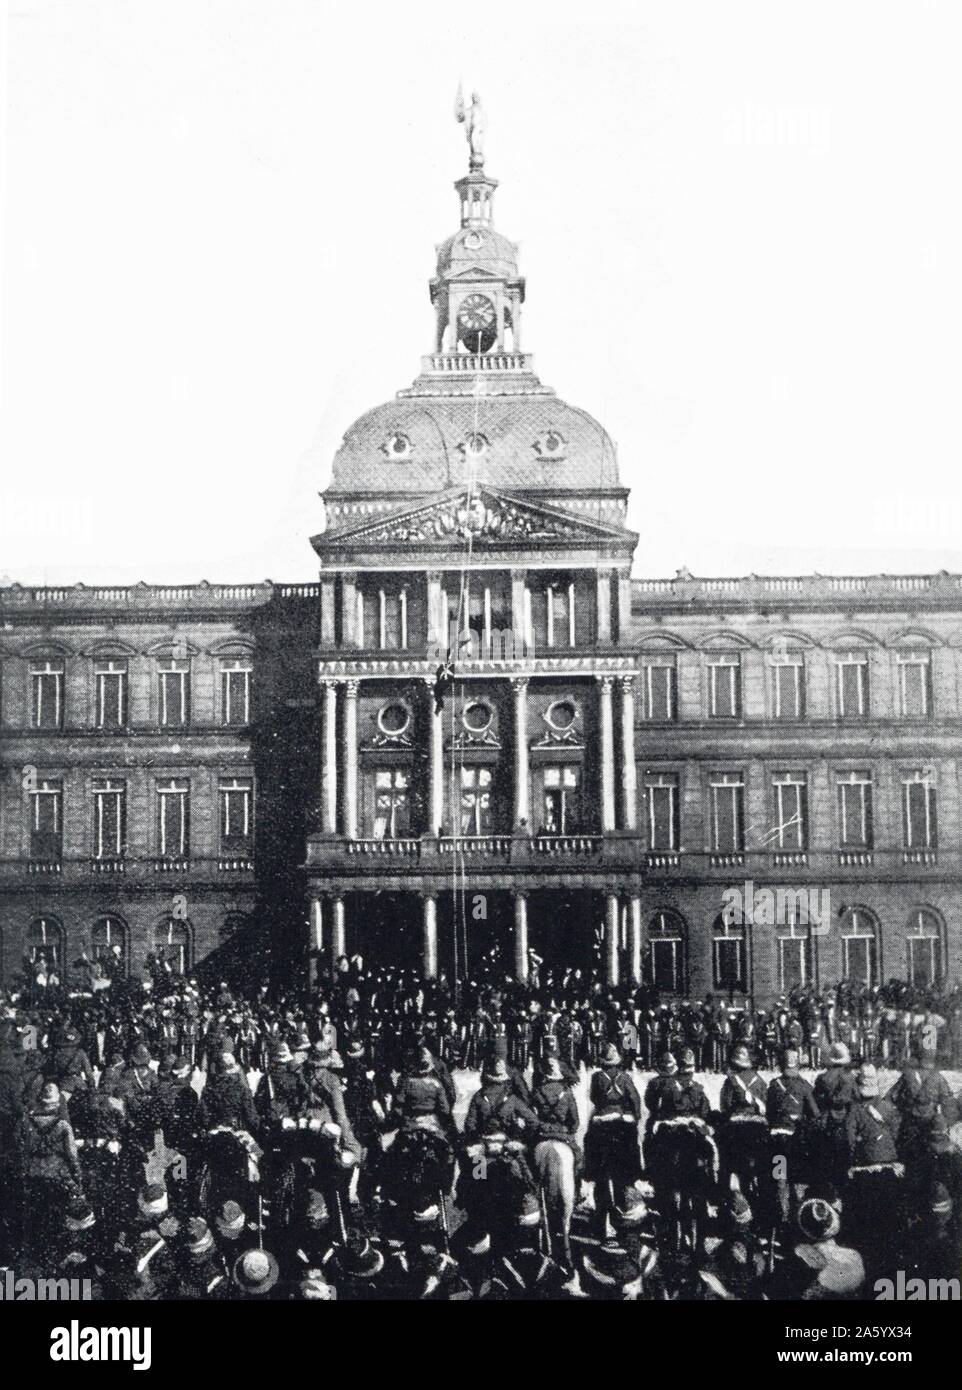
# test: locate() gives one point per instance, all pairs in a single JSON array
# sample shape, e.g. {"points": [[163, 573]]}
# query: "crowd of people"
{"points": [[167, 1139]]}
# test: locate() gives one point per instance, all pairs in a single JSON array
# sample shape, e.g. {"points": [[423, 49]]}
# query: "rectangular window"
{"points": [[923, 961], [391, 803], [111, 681], [562, 800], [174, 679], [724, 688], [855, 811], [110, 817], [727, 814], [859, 958], [919, 813], [46, 820], [790, 831], [661, 797], [851, 687], [658, 692], [173, 819], [46, 695], [729, 963], [475, 800], [665, 964], [235, 692], [794, 962], [915, 685], [788, 689], [236, 815]]}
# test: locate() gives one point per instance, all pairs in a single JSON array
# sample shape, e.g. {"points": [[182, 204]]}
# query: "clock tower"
{"points": [[477, 292]]}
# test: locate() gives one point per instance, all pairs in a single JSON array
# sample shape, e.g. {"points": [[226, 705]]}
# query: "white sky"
{"points": [[740, 223]]}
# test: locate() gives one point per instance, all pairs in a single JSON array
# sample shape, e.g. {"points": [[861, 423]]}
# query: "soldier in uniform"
{"points": [[834, 1095], [792, 1113], [874, 1208], [744, 1136], [612, 1158]]}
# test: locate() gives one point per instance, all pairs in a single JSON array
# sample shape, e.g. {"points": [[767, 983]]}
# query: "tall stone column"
{"points": [[350, 759], [607, 756], [521, 938], [634, 938], [338, 933], [629, 777], [435, 763], [429, 943], [329, 760], [611, 939], [522, 791]]}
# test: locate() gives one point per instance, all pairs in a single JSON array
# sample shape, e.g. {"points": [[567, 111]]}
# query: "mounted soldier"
{"points": [[744, 1136], [612, 1157]]}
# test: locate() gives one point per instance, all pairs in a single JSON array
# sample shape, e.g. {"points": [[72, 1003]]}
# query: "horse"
{"points": [[415, 1172], [683, 1166], [553, 1162]]}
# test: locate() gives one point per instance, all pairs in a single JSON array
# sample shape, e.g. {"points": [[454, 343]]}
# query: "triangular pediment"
{"points": [[486, 517]]}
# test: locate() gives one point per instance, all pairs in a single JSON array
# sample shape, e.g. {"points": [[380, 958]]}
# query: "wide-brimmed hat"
{"points": [[667, 1064], [611, 1266], [281, 1052], [79, 1215], [817, 1220], [230, 1220], [359, 1259], [791, 1058], [687, 1061], [140, 1057], [741, 1057], [152, 1200], [355, 1049], [839, 1055], [180, 1067], [611, 1057], [255, 1272]]}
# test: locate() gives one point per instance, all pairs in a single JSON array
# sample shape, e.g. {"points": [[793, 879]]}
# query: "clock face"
{"points": [[477, 322]]}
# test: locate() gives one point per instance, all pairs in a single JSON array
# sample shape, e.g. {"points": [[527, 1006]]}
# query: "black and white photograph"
{"points": [[480, 668]]}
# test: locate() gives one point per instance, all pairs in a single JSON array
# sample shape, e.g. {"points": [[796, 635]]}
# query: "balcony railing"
{"points": [[789, 858], [404, 849], [659, 860], [734, 859], [494, 846], [920, 856], [45, 867], [565, 844], [108, 866], [235, 865], [170, 865], [855, 858]]}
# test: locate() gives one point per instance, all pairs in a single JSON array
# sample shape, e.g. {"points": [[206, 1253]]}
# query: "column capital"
{"points": [[351, 688], [429, 895], [606, 682], [627, 683], [327, 682], [524, 893], [519, 684]]}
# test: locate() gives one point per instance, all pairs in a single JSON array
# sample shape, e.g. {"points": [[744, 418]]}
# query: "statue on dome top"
{"points": [[472, 118]]}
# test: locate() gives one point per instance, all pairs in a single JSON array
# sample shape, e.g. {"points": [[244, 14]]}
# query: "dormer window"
{"points": [[397, 447]]}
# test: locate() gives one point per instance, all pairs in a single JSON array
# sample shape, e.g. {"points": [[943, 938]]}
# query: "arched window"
{"points": [[667, 935], [172, 944], [45, 943], [108, 944], [860, 949], [925, 948], [729, 956]]}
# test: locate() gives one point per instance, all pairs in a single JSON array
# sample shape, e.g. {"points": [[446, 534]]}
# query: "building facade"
{"points": [[476, 736]]}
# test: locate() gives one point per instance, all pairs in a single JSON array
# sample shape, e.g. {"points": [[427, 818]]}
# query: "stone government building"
{"points": [[240, 773]]}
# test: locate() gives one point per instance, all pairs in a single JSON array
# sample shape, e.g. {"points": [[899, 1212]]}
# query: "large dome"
{"points": [[519, 443]]}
